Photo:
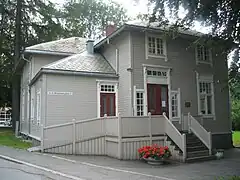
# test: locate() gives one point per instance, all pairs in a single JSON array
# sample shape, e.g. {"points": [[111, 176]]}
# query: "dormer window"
{"points": [[155, 46], [203, 55]]}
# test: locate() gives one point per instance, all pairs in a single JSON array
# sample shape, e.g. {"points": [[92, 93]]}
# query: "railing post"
{"points": [[105, 132], [119, 136], [104, 123], [184, 141], [74, 136], [150, 126], [210, 143], [189, 122], [42, 138]]}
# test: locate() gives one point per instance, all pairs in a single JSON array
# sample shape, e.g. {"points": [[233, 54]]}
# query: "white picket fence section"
{"points": [[118, 137]]}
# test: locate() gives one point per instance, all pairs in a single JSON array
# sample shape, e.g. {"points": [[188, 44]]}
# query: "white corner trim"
{"points": [[134, 101], [169, 93], [145, 91]]}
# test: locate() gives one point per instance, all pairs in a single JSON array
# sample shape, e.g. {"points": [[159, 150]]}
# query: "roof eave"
{"points": [[99, 44], [76, 73], [34, 51]]}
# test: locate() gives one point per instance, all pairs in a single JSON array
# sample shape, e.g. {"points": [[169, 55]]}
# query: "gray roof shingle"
{"points": [[71, 45], [84, 62]]}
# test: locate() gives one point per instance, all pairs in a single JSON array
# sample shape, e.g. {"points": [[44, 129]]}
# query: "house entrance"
{"points": [[107, 104], [157, 96]]}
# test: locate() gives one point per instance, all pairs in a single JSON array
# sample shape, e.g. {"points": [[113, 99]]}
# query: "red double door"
{"points": [[157, 96], [107, 104]]}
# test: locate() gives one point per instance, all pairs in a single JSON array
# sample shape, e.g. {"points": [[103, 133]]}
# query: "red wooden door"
{"points": [[157, 99], [107, 104]]}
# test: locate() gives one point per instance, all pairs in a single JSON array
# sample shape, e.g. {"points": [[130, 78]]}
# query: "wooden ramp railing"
{"points": [[200, 132], [178, 138]]}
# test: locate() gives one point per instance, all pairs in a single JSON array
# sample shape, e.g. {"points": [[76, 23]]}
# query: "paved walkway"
{"points": [[89, 167]]}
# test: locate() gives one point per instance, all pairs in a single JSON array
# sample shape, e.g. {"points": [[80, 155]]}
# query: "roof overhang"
{"points": [[138, 27], [72, 73], [35, 51]]}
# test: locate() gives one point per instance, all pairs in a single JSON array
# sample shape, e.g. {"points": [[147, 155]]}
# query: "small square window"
{"points": [[149, 72]]}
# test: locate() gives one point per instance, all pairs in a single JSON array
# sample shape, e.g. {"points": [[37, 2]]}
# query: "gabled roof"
{"points": [[71, 45], [84, 62], [145, 25]]}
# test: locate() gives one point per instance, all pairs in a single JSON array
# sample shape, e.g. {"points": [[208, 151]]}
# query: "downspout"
{"points": [[29, 92]]}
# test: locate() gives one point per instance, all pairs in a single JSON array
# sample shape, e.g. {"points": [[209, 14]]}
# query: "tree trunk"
{"points": [[16, 77]]}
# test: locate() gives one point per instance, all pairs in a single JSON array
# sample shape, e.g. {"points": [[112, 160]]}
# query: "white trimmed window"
{"points": [[155, 46], [175, 98], [38, 107], [205, 96], [139, 102], [203, 54], [107, 98]]}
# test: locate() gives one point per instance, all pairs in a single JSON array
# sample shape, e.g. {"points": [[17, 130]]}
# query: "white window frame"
{"points": [[135, 100], [178, 93], [164, 55], [207, 79], [203, 62], [106, 82], [157, 80], [39, 107]]}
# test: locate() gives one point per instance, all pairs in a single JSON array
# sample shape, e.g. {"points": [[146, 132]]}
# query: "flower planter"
{"points": [[152, 161], [154, 154]]}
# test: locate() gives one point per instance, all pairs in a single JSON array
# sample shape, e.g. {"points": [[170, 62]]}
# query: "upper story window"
{"points": [[155, 46], [203, 54]]}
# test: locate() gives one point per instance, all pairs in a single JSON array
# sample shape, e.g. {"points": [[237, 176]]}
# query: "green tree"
{"points": [[89, 18], [236, 114], [39, 22]]}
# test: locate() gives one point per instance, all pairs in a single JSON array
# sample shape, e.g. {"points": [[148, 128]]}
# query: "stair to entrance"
{"points": [[196, 149]]}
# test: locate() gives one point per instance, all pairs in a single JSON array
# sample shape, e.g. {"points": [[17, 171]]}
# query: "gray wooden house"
{"points": [[131, 88]]}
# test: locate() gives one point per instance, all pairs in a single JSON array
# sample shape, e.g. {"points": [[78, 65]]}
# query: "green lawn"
{"points": [[7, 138], [236, 138]]}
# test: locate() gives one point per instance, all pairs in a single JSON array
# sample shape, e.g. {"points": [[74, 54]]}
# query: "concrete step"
{"points": [[196, 148], [194, 143], [200, 159], [197, 153]]}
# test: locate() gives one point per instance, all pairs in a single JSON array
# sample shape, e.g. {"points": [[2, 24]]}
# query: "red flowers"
{"points": [[154, 151]]}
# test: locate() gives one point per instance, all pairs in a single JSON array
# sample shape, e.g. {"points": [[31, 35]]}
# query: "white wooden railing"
{"points": [[178, 138], [200, 132], [104, 136]]}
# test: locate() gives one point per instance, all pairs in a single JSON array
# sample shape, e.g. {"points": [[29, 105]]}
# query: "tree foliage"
{"points": [[41, 22], [222, 15], [89, 18]]}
